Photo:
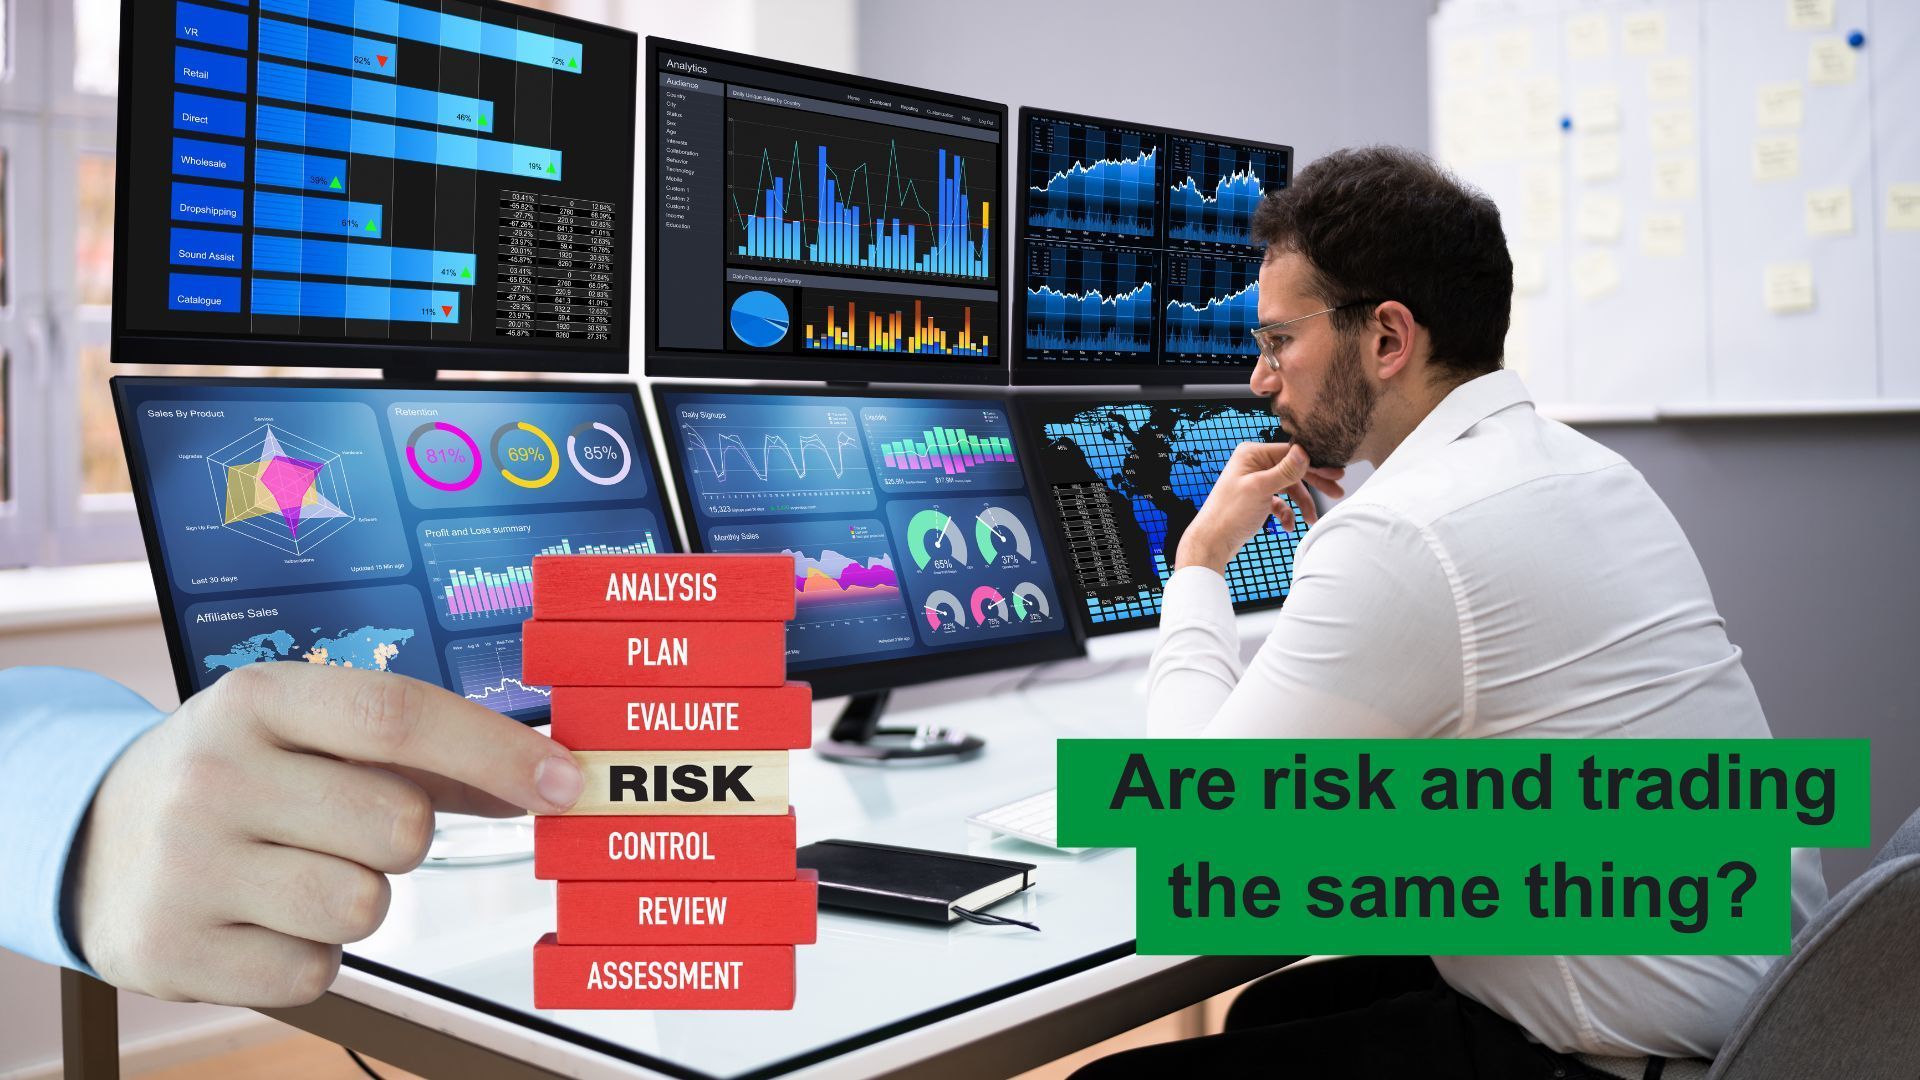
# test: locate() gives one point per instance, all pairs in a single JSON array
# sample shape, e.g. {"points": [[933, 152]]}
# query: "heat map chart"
{"points": [[1086, 302], [847, 593], [832, 192], [280, 489], [1092, 178], [1213, 188], [1212, 301], [1128, 477], [753, 457], [926, 447]]}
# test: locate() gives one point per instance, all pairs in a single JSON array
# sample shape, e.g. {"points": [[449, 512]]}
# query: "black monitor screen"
{"points": [[370, 183], [811, 225], [379, 526], [915, 545], [1123, 477], [1135, 262]]}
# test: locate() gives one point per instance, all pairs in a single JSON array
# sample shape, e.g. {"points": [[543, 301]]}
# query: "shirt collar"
{"points": [[1468, 404]]}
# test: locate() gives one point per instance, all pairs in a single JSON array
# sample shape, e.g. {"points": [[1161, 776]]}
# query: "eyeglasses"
{"points": [[1271, 341]]}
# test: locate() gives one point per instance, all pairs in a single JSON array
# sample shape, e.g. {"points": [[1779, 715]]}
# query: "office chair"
{"points": [[1844, 1002]]}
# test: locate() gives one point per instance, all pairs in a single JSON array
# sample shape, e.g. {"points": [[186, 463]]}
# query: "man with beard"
{"points": [[1499, 575]]}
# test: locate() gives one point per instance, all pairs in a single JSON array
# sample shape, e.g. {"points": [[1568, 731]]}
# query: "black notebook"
{"points": [[939, 886]]}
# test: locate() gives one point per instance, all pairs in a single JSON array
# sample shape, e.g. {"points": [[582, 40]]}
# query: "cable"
{"points": [[361, 1061], [985, 919]]}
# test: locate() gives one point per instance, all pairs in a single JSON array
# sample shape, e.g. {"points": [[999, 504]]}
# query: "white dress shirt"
{"points": [[1499, 575]]}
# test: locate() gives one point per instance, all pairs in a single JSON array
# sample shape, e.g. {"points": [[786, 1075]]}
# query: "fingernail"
{"points": [[559, 781]]}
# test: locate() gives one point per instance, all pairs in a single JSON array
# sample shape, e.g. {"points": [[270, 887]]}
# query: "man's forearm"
{"points": [[1197, 661]]}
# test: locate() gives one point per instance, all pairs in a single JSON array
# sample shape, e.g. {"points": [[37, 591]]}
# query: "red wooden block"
{"points": [[654, 653], [661, 976], [629, 848], [720, 718], [689, 912], [682, 588]]}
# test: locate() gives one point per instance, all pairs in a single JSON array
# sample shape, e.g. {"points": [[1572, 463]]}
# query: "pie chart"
{"points": [[758, 319]]}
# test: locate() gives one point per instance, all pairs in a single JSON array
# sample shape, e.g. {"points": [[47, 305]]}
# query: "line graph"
{"points": [[487, 670], [1091, 178], [768, 456], [1083, 299], [855, 195], [1212, 301], [1213, 188]]}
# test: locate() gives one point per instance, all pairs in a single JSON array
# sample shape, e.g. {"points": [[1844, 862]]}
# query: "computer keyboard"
{"points": [[1035, 819]]}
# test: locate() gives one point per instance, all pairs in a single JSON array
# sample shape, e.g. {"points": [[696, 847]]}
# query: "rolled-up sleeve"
{"points": [[60, 731], [1369, 644]]}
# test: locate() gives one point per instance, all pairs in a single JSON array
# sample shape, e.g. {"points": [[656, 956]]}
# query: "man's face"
{"points": [[1322, 392]]}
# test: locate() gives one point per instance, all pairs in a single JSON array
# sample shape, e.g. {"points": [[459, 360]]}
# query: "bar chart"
{"points": [[932, 326], [861, 197], [480, 570]]}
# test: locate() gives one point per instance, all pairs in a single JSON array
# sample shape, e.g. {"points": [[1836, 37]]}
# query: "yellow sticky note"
{"points": [[1776, 157], [1670, 79], [1671, 129], [1829, 62], [1597, 108], [1597, 156], [1788, 287], [1663, 236], [1541, 213], [1779, 105], [1810, 14], [1830, 211], [1513, 50], [1466, 57], [1903, 207], [1644, 33], [1676, 178], [1588, 37], [1600, 218], [1529, 270], [1595, 274]]}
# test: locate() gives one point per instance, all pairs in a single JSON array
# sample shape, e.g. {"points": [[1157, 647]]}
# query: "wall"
{"points": [[1806, 528]]}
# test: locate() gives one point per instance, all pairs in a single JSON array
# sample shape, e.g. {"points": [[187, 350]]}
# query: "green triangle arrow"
{"points": [[551, 169], [483, 119], [465, 273], [572, 63], [373, 226], [334, 184]]}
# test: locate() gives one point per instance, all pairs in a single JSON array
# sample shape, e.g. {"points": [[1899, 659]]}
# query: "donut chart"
{"points": [[436, 456], [599, 453]]}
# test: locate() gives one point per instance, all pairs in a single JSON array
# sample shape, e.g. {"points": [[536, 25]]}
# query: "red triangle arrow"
{"points": [[382, 59], [447, 309]]}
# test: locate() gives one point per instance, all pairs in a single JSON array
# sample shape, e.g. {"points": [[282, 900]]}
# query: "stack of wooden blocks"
{"points": [[677, 886]]}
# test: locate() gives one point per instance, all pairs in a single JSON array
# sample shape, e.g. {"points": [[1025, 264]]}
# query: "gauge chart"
{"points": [[1002, 537]]}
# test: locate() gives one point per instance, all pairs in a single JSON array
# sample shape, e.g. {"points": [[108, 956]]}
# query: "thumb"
{"points": [[1286, 472]]}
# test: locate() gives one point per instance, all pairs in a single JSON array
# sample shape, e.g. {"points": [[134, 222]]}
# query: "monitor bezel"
{"points": [[835, 680], [129, 346], [1028, 423], [142, 479], [1025, 372], [728, 364]]}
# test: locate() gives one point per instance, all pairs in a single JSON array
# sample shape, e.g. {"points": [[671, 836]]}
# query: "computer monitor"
{"points": [[1135, 264], [379, 525], [407, 185], [1122, 476], [806, 224], [916, 551]]}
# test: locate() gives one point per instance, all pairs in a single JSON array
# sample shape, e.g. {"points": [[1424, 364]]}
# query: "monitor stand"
{"points": [[858, 738]]}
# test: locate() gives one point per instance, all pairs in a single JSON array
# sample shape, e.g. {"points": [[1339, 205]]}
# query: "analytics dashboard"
{"points": [[1135, 261], [393, 529], [807, 224], [908, 519], [410, 177]]}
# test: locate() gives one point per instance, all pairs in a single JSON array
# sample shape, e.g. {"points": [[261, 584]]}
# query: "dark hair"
{"points": [[1383, 223]]}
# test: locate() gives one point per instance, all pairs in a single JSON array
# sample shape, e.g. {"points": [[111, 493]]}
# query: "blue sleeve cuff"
{"points": [[60, 731]]}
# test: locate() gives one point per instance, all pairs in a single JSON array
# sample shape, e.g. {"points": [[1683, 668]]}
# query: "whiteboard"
{"points": [[1685, 248]]}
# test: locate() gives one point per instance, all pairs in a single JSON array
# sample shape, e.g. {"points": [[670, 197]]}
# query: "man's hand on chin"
{"points": [[1251, 489]]}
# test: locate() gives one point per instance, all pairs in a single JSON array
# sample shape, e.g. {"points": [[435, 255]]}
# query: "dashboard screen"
{"points": [[379, 527]]}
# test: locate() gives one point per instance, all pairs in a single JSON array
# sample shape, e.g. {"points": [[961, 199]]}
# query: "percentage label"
{"points": [[451, 455], [600, 453], [526, 453]]}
